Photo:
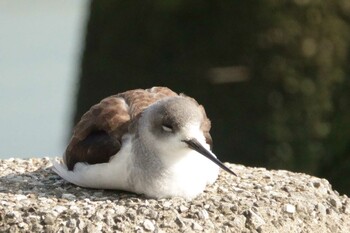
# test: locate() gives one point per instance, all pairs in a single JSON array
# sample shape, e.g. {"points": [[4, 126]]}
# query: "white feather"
{"points": [[188, 172]]}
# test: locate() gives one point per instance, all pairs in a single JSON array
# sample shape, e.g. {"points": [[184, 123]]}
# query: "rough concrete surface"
{"points": [[34, 199]]}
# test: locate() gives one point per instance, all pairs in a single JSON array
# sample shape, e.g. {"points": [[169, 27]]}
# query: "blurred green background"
{"points": [[273, 75]]}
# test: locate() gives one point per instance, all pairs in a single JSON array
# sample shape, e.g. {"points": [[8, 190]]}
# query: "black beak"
{"points": [[195, 145]]}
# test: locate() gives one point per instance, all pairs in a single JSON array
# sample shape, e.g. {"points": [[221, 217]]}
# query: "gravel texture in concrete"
{"points": [[34, 199]]}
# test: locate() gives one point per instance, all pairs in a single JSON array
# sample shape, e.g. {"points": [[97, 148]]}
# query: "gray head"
{"points": [[177, 124], [172, 115]]}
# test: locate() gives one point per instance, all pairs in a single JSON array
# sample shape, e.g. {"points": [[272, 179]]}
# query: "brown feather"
{"points": [[97, 136]]}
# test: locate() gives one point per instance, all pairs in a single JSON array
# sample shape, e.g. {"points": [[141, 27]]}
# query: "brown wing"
{"points": [[98, 134]]}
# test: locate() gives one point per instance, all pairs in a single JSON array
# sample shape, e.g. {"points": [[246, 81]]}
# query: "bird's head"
{"points": [[178, 124]]}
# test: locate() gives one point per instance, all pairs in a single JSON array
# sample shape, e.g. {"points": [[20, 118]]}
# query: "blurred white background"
{"points": [[40, 49]]}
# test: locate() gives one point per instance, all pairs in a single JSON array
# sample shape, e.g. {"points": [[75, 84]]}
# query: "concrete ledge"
{"points": [[34, 199]]}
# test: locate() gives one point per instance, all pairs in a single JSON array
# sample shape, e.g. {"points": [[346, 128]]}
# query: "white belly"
{"points": [[186, 175]]}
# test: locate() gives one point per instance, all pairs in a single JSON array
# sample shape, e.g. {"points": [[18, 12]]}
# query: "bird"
{"points": [[152, 141]]}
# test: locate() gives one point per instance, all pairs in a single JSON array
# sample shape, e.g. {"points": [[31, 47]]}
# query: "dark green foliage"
{"points": [[291, 113], [302, 54]]}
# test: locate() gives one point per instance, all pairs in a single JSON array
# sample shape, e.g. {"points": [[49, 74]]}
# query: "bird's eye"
{"points": [[167, 127]]}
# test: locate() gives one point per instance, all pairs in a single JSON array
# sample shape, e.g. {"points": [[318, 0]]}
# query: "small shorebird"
{"points": [[153, 142]]}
